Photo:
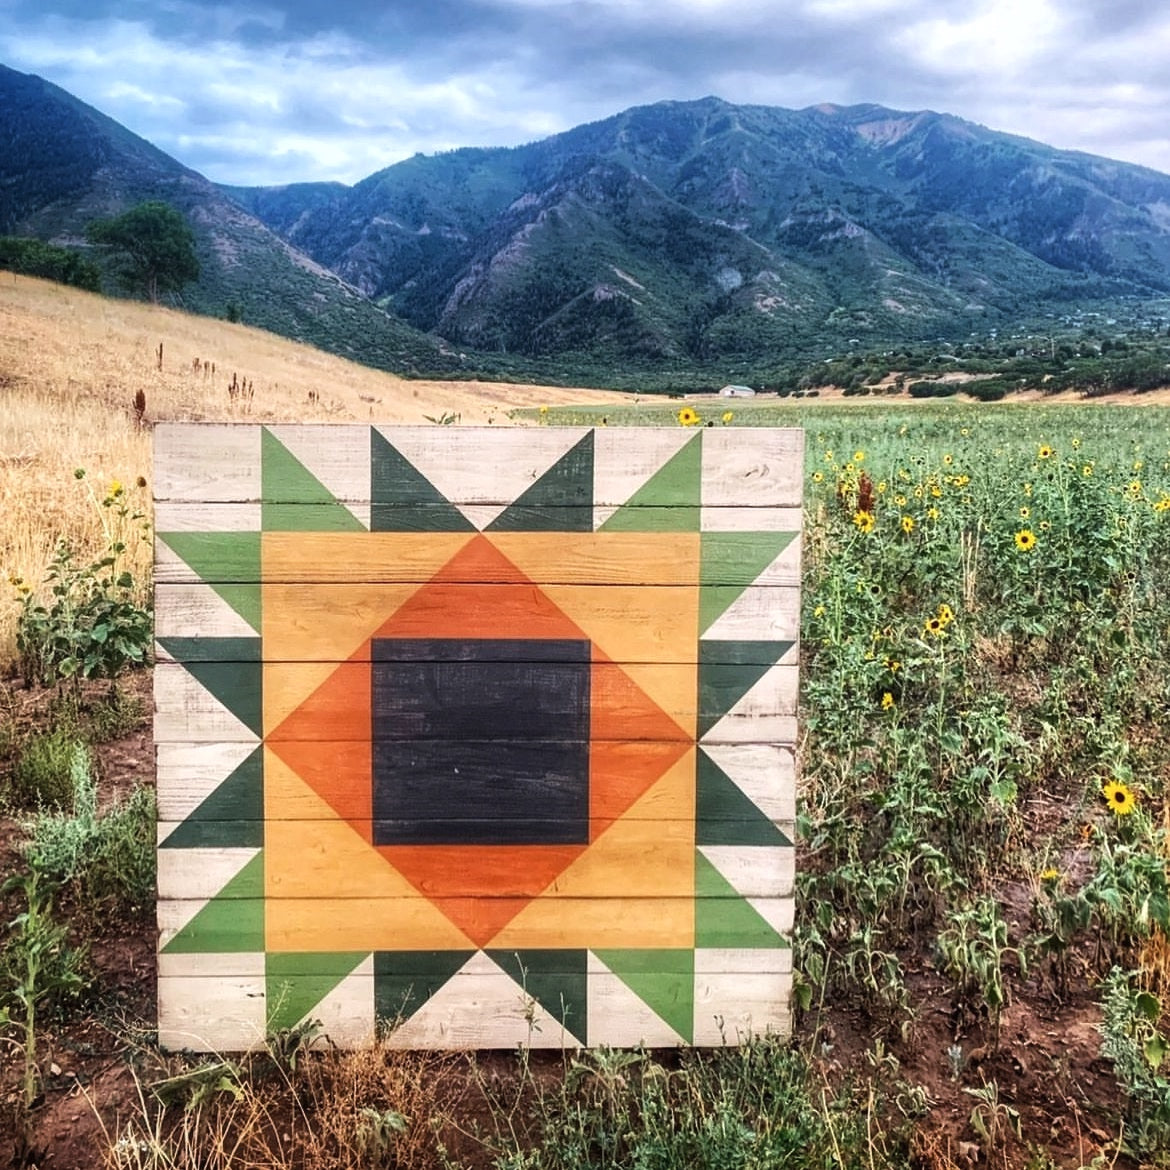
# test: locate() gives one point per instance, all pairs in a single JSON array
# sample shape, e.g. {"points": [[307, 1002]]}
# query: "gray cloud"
{"points": [[282, 90]]}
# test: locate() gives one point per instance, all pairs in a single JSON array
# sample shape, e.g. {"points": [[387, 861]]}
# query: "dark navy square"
{"points": [[480, 742]]}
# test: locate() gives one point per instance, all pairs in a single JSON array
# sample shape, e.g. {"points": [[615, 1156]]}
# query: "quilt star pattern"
{"points": [[475, 737]]}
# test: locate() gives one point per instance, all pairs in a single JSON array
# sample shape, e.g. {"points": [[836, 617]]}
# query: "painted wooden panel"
{"points": [[476, 737]]}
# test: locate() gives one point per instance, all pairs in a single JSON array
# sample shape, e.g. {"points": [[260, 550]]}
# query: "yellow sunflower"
{"points": [[907, 524], [687, 417], [887, 701], [1025, 540], [863, 521], [934, 627], [1045, 451], [728, 415], [946, 615], [1119, 797]]}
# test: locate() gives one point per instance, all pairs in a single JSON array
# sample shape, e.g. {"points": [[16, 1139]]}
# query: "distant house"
{"points": [[737, 392]]}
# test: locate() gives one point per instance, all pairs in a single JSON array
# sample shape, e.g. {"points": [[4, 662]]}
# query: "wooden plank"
{"points": [[763, 613], [469, 465], [760, 465], [573, 558], [207, 462], [369, 917], [754, 871], [189, 771], [702, 961], [750, 519]]}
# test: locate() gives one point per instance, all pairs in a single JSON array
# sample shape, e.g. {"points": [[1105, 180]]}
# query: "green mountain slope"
{"points": [[64, 163], [742, 231]]}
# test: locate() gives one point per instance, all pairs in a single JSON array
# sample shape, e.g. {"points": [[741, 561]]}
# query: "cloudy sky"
{"points": [[273, 91]]}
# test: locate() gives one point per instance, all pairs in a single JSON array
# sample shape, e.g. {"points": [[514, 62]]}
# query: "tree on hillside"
{"points": [[152, 245]]}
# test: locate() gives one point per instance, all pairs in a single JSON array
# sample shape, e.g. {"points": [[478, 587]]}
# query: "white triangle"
{"points": [[481, 1006], [785, 569], [188, 879], [619, 469], [483, 465], [185, 711], [778, 913], [763, 871], [339, 457], [199, 873], [481, 515], [775, 692], [196, 611], [761, 613], [765, 773], [187, 773], [347, 1012], [618, 1018]]}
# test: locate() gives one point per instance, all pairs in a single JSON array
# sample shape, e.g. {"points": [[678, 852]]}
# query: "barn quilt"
{"points": [[475, 737]]}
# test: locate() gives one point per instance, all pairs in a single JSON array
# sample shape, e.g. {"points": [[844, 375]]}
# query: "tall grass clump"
{"points": [[103, 854]]}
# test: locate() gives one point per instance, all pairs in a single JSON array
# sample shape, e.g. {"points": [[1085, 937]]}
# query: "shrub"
{"points": [[41, 775], [107, 855], [93, 626]]}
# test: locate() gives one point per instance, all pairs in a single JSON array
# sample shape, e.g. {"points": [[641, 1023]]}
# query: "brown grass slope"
{"points": [[71, 364]]}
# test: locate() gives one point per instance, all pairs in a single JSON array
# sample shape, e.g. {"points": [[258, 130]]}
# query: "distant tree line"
{"points": [[36, 258]]}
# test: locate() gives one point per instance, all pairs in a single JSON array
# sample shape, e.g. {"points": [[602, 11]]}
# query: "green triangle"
{"points": [[729, 563], [233, 921], [294, 984], [725, 919], [231, 816], [293, 498], [556, 979], [561, 500], [669, 501], [727, 671], [229, 668], [405, 980], [403, 499], [725, 814], [227, 561], [663, 980]]}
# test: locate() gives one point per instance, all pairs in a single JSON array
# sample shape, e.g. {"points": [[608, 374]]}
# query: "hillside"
{"points": [[698, 232], [71, 364], [669, 246], [64, 163]]}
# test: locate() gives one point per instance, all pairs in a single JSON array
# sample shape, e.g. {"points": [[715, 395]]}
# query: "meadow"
{"points": [[983, 971]]}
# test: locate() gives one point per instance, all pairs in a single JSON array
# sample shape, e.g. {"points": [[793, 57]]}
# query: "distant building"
{"points": [[737, 392]]}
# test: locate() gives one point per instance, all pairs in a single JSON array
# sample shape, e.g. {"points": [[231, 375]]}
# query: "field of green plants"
{"points": [[982, 955]]}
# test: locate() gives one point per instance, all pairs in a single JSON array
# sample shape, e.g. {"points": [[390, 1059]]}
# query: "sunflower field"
{"points": [[985, 757], [986, 709]]}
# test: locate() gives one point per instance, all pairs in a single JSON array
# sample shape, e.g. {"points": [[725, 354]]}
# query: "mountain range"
{"points": [[683, 237]]}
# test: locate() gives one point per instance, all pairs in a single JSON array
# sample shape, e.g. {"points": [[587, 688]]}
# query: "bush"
{"points": [[93, 626], [41, 775], [107, 855], [36, 258]]}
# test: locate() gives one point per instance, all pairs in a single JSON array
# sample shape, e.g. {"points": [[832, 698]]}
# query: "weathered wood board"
{"points": [[476, 736]]}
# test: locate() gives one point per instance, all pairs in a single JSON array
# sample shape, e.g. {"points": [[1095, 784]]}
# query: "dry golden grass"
{"points": [[71, 364]]}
